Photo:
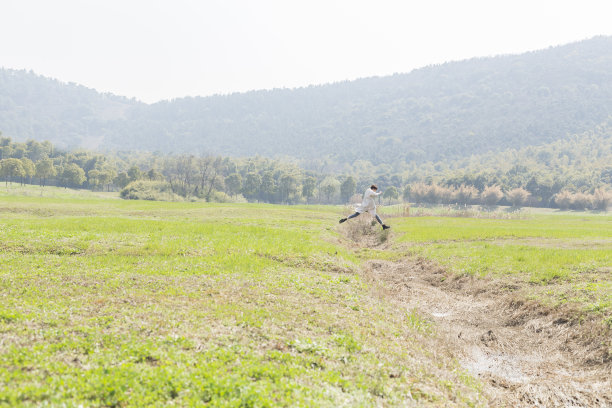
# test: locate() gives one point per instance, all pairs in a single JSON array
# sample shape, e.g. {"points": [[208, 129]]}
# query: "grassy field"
{"points": [[116, 303], [560, 258]]}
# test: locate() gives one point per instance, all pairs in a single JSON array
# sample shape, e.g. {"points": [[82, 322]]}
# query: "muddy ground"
{"points": [[525, 354]]}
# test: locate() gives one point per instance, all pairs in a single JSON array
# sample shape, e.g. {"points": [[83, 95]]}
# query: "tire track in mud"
{"points": [[525, 355]]}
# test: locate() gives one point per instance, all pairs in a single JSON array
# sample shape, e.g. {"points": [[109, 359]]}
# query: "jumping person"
{"points": [[367, 205]]}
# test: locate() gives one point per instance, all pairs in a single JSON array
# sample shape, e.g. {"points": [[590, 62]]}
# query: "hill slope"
{"points": [[437, 113], [69, 115]]}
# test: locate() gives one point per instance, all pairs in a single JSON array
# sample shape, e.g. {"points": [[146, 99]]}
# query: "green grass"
{"points": [[117, 303], [108, 302], [562, 258]]}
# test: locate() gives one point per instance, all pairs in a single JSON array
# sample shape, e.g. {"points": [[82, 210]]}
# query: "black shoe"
{"points": [[385, 227], [341, 220]]}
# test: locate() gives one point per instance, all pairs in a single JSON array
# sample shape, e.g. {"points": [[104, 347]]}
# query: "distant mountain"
{"points": [[67, 114], [437, 113]]}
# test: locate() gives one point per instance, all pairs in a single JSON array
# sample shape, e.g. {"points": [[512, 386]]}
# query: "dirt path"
{"points": [[524, 354]]}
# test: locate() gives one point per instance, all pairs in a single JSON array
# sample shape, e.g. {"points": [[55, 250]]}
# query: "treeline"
{"points": [[215, 178], [164, 177], [580, 164], [40, 162], [581, 180]]}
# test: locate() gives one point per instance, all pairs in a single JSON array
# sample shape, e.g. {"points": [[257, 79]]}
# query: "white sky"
{"points": [[163, 49]]}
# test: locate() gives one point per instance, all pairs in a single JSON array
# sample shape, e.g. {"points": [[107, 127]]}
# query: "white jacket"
{"points": [[368, 205]]}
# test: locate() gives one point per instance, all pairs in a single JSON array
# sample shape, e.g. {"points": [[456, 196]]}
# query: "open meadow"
{"points": [[106, 302], [556, 258]]}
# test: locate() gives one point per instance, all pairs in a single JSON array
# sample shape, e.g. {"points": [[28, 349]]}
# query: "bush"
{"points": [[465, 194], [221, 197], [418, 192], [564, 199], [434, 194], [517, 196], [491, 195], [445, 194], [601, 199], [149, 190], [581, 201]]}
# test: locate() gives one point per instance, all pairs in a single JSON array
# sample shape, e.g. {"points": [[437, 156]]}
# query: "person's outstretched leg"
{"points": [[349, 217], [381, 223]]}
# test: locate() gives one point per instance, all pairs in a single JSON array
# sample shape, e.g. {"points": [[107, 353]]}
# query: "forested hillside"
{"points": [[69, 115], [435, 114], [579, 163]]}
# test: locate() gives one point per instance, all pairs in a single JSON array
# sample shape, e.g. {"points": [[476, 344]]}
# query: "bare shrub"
{"points": [[601, 199], [430, 194], [581, 201], [518, 196], [434, 194], [418, 192], [365, 230], [491, 195], [446, 194], [564, 199], [465, 194]]}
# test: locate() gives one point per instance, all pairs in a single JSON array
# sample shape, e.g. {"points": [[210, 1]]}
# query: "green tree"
{"points": [[268, 186], [36, 151], [11, 168], [308, 187], [154, 175], [45, 170], [4, 141], [19, 151], [288, 188], [134, 173], [347, 188], [251, 185], [29, 170], [391, 193], [329, 187], [73, 175], [93, 178], [6, 152], [107, 175], [233, 183], [122, 180], [406, 194]]}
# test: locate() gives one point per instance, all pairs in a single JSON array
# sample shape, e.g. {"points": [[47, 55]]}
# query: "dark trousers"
{"points": [[358, 214]]}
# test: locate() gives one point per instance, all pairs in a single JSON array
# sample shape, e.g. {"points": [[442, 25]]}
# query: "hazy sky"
{"points": [[156, 50]]}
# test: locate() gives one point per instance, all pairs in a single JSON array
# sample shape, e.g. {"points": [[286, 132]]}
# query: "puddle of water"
{"points": [[497, 364]]}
